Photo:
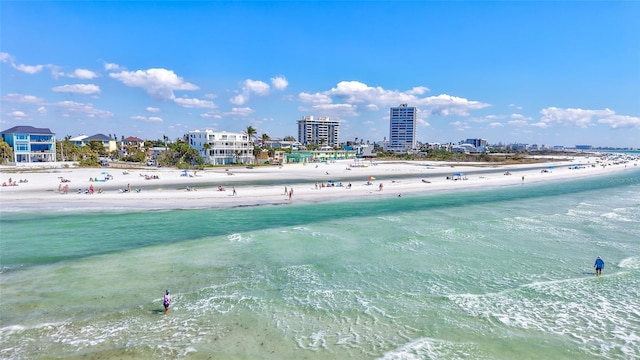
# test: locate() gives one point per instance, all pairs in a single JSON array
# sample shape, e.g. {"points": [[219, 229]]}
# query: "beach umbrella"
{"points": [[372, 177]]}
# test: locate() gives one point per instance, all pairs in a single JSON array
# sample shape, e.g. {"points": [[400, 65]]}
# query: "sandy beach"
{"points": [[165, 189]]}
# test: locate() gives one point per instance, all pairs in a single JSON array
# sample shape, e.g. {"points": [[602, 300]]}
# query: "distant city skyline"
{"points": [[554, 73]]}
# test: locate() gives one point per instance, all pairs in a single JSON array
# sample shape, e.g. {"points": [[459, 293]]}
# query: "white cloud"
{"points": [[153, 109], [146, 119], [159, 83], [112, 67], [250, 87], [517, 122], [354, 92], [211, 96], [210, 115], [194, 103], [257, 87], [584, 118], [374, 98], [6, 57], [42, 110], [446, 105], [460, 125], [82, 74], [72, 107], [495, 124], [18, 114], [316, 98], [19, 98], [239, 99], [540, 125], [621, 121], [520, 117], [29, 69], [56, 72], [418, 90], [279, 82], [78, 88], [332, 110], [423, 122], [245, 111]]}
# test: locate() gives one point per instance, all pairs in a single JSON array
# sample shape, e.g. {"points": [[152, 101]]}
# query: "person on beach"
{"points": [[234, 191], [167, 301], [599, 265]]}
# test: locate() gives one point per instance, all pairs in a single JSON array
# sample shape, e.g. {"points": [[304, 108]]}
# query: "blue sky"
{"points": [[555, 73]]}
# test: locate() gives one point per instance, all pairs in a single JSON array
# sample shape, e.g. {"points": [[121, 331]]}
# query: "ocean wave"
{"points": [[630, 263], [428, 348]]}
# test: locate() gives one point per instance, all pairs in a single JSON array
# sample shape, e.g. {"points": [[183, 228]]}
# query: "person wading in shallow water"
{"points": [[167, 301], [599, 265]]}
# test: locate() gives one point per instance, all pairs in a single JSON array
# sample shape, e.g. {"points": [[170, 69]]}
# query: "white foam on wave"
{"points": [[239, 238], [567, 308], [617, 217], [131, 330], [630, 263], [428, 348]]}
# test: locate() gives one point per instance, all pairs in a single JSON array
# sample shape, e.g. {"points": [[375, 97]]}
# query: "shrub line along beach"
{"points": [[113, 188]]}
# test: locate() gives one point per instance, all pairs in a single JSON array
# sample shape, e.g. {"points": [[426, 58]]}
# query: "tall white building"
{"points": [[402, 128], [318, 131], [221, 147]]}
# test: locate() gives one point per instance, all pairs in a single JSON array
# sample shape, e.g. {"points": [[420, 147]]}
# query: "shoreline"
{"points": [[173, 189]]}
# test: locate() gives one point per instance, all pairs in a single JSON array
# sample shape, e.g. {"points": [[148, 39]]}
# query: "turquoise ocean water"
{"points": [[503, 273]]}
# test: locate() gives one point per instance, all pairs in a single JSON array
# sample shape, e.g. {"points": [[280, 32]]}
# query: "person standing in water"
{"points": [[167, 301], [599, 265]]}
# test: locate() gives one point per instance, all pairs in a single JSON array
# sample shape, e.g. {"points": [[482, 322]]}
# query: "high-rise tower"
{"points": [[402, 128]]}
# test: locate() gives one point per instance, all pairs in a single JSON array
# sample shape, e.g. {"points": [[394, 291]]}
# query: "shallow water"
{"points": [[496, 274]]}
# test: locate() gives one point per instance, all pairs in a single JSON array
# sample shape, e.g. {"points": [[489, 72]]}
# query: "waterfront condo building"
{"points": [[402, 128], [320, 131], [221, 147]]}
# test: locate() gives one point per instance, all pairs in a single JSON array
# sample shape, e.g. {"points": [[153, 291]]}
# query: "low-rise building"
{"points": [[108, 143], [31, 144], [221, 147]]}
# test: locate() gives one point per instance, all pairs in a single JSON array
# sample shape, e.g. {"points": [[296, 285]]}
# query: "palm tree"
{"points": [[251, 132], [265, 138]]}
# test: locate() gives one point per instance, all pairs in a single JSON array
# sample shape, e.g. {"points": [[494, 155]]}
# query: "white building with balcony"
{"points": [[318, 131], [221, 147]]}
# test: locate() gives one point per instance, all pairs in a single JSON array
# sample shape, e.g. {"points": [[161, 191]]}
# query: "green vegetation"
{"points": [[6, 152], [180, 155]]}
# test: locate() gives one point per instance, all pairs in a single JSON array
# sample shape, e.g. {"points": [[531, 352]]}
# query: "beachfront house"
{"points": [[323, 155], [109, 143], [221, 147], [131, 144], [31, 144]]}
